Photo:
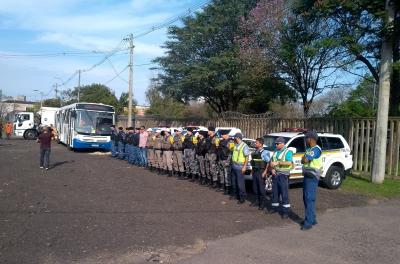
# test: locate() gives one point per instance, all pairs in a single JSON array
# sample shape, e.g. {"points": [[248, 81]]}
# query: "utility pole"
{"points": [[130, 93], [79, 84], [379, 161]]}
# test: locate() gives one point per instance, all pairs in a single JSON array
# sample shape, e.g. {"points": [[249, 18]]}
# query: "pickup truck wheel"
{"points": [[334, 177], [30, 134]]}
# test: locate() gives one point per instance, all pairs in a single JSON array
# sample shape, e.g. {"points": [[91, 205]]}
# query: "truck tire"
{"points": [[334, 177], [30, 134]]}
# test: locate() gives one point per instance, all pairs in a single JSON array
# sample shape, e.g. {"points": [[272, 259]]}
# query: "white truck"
{"points": [[27, 124]]}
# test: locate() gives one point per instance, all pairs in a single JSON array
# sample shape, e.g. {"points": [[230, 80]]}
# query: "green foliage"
{"points": [[203, 58], [389, 188], [164, 106], [360, 102], [94, 93], [53, 102]]}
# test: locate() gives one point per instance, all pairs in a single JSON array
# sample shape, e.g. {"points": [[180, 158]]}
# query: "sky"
{"points": [[85, 30]]}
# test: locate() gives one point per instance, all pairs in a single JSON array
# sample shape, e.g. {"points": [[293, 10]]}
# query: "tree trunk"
{"points": [[395, 84]]}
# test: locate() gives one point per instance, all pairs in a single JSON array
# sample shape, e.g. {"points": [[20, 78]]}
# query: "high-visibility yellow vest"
{"points": [[238, 156], [281, 158], [316, 164]]}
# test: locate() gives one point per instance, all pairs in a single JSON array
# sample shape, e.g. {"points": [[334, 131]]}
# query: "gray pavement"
{"points": [[90, 208], [368, 234]]}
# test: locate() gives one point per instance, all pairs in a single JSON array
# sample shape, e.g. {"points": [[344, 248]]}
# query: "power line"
{"points": [[117, 75], [52, 55], [172, 20]]}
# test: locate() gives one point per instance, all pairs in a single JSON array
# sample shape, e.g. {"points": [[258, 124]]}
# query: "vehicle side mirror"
{"points": [[294, 150], [19, 124]]}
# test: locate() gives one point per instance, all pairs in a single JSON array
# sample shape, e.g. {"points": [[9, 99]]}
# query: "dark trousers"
{"points": [[121, 150], [45, 157], [309, 195], [258, 184], [238, 186], [280, 189]]}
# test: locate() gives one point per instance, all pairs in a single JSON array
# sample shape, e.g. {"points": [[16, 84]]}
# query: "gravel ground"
{"points": [[90, 208]]}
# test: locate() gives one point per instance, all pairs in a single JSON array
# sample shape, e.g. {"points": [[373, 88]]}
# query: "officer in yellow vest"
{"points": [[240, 158], [312, 169], [281, 164]]}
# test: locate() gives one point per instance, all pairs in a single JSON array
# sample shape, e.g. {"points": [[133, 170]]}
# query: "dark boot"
{"points": [[255, 203], [226, 191], [261, 204], [209, 183], [170, 173], [187, 175], [215, 185], [193, 178]]}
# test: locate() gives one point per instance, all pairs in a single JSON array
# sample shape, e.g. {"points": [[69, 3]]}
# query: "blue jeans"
{"points": [[114, 149], [238, 186], [280, 189], [45, 157], [309, 195], [121, 150], [143, 156]]}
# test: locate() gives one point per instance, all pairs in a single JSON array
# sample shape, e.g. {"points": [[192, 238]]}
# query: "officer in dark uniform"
{"points": [[212, 144], [224, 154], [259, 161], [128, 145], [136, 149], [200, 153], [121, 143], [114, 142]]}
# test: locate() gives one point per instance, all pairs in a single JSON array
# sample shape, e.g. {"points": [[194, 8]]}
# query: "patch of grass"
{"points": [[389, 188]]}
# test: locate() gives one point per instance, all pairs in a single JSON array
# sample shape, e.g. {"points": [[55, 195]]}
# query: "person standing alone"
{"points": [[312, 168], [45, 147]]}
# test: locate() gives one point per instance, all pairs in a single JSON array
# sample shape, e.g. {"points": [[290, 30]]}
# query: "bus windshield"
{"points": [[91, 122]]}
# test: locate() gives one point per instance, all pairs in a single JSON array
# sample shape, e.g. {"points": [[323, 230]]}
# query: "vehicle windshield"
{"points": [[223, 131], [269, 142], [91, 122]]}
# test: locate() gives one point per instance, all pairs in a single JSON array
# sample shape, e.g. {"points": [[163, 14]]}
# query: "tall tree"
{"points": [[94, 93], [299, 51], [203, 59], [359, 27], [361, 102]]}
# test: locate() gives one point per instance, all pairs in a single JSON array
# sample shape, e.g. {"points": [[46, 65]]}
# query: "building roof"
{"points": [[18, 102]]}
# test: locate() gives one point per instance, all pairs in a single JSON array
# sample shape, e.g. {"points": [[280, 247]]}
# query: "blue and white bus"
{"points": [[85, 125]]}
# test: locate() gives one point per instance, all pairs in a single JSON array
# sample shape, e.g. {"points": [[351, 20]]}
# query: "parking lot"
{"points": [[91, 208]]}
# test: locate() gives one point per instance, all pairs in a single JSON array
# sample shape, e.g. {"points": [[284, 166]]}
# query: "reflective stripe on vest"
{"points": [[238, 155], [281, 157], [315, 163]]}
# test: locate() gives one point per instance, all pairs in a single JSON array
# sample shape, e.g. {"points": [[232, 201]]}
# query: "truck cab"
{"points": [[24, 125]]}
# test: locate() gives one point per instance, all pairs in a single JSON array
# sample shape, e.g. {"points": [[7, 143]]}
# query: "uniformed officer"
{"points": [[281, 164], [259, 160], [121, 143], [128, 145], [212, 144], [240, 158], [167, 149], [135, 147], [114, 142], [224, 154], [158, 162], [189, 153], [312, 169], [150, 149], [200, 153], [177, 156]]}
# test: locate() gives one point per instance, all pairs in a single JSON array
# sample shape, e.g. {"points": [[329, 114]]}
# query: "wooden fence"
{"points": [[359, 133]]}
